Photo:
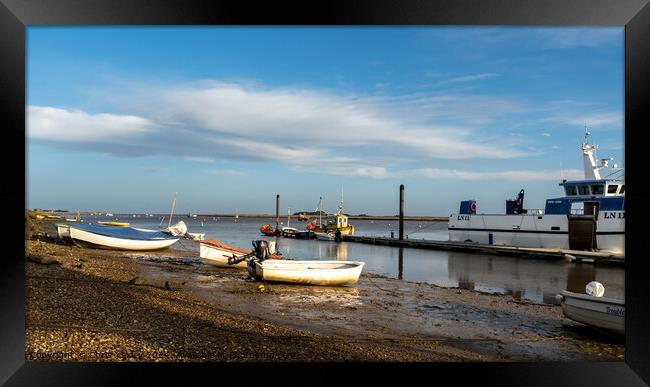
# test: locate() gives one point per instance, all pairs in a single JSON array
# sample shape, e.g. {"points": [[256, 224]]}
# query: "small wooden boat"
{"points": [[600, 312], [117, 224], [216, 253], [119, 238], [325, 236], [328, 273], [267, 230]]}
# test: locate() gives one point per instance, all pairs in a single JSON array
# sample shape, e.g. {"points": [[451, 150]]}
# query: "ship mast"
{"points": [[592, 170]]}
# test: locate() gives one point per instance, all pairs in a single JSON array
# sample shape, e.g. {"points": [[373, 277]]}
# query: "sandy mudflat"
{"points": [[102, 305]]}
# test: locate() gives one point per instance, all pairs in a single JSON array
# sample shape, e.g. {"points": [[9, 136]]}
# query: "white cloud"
{"points": [[449, 174], [210, 121], [227, 172], [470, 78], [77, 126], [200, 159]]}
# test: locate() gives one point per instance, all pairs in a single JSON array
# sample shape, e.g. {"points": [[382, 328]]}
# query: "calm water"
{"points": [[524, 278]]}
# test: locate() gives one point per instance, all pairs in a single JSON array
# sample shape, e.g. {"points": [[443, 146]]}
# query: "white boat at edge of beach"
{"points": [[105, 239], [325, 273], [600, 312], [324, 236], [216, 253]]}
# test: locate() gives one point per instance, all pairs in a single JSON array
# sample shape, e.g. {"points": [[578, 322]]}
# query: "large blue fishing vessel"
{"points": [[590, 215]]}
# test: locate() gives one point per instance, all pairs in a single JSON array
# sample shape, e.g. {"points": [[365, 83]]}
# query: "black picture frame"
{"points": [[16, 15]]}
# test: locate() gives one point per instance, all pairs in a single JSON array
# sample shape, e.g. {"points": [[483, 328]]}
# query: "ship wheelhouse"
{"points": [[588, 197]]}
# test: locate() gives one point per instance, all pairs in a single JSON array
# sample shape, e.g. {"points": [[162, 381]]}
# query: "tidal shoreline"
{"points": [[104, 305]]}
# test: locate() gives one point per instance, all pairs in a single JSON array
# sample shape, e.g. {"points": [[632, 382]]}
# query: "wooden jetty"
{"points": [[478, 248]]}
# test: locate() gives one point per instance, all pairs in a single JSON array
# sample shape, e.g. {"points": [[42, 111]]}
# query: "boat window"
{"points": [[597, 189], [583, 190], [612, 188], [622, 189], [570, 190]]}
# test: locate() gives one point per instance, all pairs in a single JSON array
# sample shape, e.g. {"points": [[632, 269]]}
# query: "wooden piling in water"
{"points": [[277, 211], [401, 212]]}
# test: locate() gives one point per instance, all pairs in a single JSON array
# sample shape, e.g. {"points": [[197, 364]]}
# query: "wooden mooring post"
{"points": [[401, 212], [277, 211]]}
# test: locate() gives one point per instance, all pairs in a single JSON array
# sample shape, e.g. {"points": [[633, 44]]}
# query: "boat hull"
{"points": [[108, 242], [600, 312], [347, 230], [217, 255], [63, 230], [323, 273], [324, 236], [535, 230]]}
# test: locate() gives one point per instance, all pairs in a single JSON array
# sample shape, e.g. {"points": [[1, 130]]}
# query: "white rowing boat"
{"points": [[325, 236], [599, 312], [120, 238], [216, 253], [329, 273]]}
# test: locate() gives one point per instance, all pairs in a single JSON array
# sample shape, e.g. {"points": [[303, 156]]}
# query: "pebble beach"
{"points": [[86, 304]]}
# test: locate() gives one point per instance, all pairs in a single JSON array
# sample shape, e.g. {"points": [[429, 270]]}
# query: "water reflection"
{"points": [[579, 276], [400, 265], [537, 280]]}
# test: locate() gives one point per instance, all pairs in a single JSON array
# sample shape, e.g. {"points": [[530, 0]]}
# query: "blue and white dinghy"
{"points": [[120, 238]]}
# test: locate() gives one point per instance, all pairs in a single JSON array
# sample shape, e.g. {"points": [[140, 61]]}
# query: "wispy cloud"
{"points": [[210, 121], [470, 78], [155, 169], [200, 159], [227, 172], [375, 172], [73, 125]]}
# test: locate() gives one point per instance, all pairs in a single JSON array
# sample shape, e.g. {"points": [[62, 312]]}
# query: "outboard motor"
{"points": [[260, 253]]}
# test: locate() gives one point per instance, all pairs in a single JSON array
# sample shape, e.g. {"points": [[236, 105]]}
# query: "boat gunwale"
{"points": [[76, 227], [586, 297], [276, 265]]}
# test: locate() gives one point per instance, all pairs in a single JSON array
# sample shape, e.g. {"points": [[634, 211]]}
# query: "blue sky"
{"points": [[121, 118]]}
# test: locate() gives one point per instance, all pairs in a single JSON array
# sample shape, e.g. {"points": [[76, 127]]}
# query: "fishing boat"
{"points": [[338, 221], [216, 253], [599, 312], [590, 215], [116, 224], [325, 236], [119, 238], [327, 273], [289, 232], [267, 230]]}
